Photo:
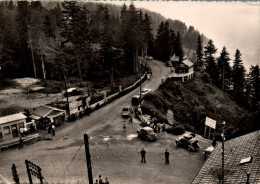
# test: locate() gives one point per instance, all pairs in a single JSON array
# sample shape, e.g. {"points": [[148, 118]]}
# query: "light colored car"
{"points": [[147, 134], [126, 111], [145, 91], [208, 151]]}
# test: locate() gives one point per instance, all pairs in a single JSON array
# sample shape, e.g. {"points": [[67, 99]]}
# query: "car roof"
{"points": [[136, 96], [147, 128]]}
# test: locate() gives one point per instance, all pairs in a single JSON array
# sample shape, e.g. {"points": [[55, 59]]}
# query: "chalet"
{"points": [[241, 162], [45, 114], [10, 126], [182, 70]]}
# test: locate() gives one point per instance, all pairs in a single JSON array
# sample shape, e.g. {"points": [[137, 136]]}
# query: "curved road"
{"points": [[56, 157]]}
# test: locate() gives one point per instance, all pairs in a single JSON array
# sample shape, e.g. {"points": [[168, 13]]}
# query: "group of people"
{"points": [[100, 180], [167, 155]]}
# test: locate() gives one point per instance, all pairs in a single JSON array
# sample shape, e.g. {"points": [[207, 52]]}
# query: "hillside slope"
{"points": [[192, 102]]}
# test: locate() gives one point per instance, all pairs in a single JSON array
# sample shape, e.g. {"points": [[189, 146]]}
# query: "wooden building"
{"points": [[10, 126]]}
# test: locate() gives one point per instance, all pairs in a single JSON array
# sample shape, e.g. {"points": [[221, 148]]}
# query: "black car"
{"points": [[147, 134], [188, 141]]}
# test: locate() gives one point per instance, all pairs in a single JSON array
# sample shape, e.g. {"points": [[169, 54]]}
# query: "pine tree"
{"points": [[238, 77], [211, 66], [199, 54], [179, 48], [23, 17], [254, 82], [148, 36], [224, 70]]}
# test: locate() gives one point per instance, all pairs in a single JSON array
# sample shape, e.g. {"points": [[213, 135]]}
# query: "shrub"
{"points": [[178, 130]]}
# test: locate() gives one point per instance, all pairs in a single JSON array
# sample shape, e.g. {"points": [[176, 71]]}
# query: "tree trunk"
{"points": [[43, 68], [78, 61], [30, 43]]}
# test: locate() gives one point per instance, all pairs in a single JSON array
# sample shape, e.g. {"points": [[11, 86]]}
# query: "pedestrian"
{"points": [[167, 154], [163, 127], [143, 152], [21, 131], [106, 181], [159, 129], [53, 129], [49, 129], [214, 142], [100, 181], [21, 143], [131, 118], [124, 126], [96, 182]]}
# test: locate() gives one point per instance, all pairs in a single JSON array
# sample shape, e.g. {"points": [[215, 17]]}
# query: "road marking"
{"points": [[5, 180]]}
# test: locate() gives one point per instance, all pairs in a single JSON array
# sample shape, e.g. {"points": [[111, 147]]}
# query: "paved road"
{"points": [[62, 159]]}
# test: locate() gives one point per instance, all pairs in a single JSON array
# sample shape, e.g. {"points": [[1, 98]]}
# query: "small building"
{"points": [[43, 115], [241, 162], [182, 70], [10, 126]]}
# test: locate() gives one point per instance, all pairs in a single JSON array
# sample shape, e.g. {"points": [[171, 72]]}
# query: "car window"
{"points": [[125, 109]]}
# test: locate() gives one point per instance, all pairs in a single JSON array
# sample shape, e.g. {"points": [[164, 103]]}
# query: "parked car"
{"points": [[188, 141], [145, 91], [126, 111], [208, 151], [136, 100], [147, 134], [73, 92]]}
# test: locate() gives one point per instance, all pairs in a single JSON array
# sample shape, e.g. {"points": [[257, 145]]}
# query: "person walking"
{"points": [[131, 118], [143, 152], [21, 143], [167, 154]]}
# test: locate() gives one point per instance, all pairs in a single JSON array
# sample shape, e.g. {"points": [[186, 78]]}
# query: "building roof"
{"points": [[13, 117], [188, 62], [44, 111], [235, 150]]}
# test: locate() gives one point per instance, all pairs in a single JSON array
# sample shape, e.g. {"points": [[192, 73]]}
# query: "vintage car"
{"points": [[144, 92], [126, 111], [72, 92], [147, 134], [208, 151], [188, 142]]}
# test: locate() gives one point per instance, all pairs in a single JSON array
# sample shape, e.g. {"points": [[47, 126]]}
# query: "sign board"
{"points": [[210, 123], [170, 116]]}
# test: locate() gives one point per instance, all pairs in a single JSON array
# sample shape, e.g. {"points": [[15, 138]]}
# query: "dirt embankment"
{"points": [[193, 101]]}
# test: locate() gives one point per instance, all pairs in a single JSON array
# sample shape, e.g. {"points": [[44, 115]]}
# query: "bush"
{"points": [[178, 130]]}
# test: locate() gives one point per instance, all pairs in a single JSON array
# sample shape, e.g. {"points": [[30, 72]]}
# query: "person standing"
{"points": [[96, 182], [143, 152], [53, 129], [106, 181], [21, 143], [167, 154]]}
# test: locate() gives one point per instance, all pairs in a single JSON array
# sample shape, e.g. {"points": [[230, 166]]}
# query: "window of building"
{"points": [[6, 130]]}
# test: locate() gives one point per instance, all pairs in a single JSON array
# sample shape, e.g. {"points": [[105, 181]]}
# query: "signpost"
{"points": [[211, 124], [33, 169]]}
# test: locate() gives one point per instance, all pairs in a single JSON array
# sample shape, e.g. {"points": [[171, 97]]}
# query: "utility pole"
{"points": [[88, 158], [223, 153]]}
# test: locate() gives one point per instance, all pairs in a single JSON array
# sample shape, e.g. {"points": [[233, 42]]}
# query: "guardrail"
{"points": [[118, 94]]}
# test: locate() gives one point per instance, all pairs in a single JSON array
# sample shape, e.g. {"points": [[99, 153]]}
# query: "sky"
{"points": [[235, 25]]}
